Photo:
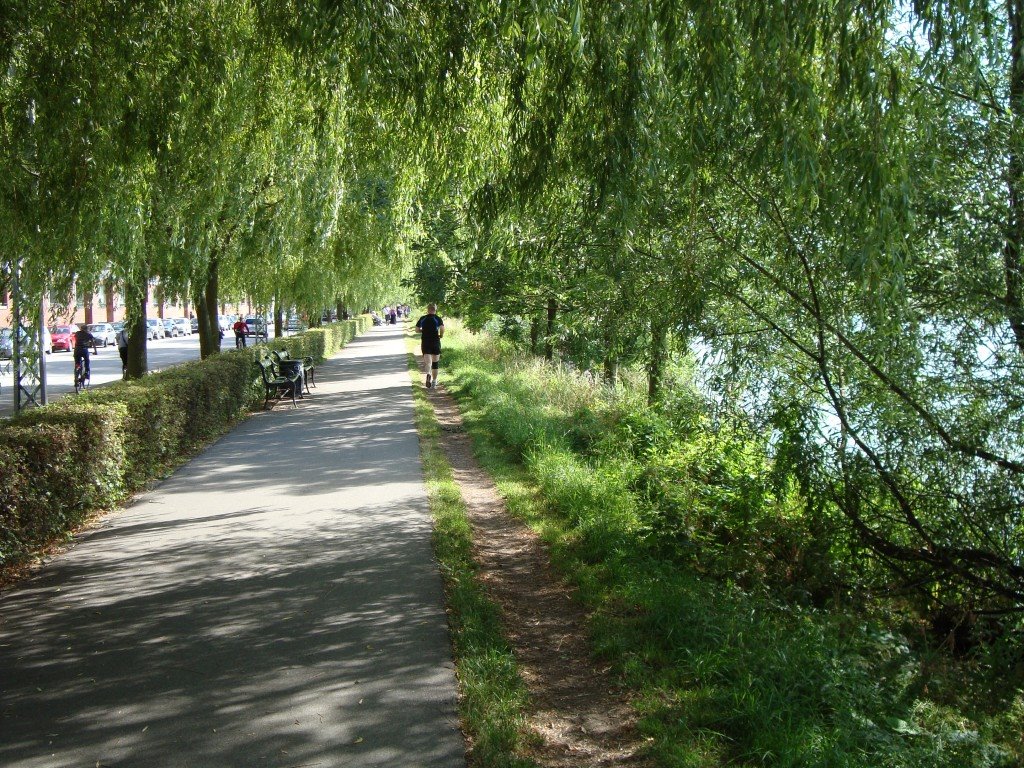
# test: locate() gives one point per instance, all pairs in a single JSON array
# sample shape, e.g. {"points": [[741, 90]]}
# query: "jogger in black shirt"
{"points": [[431, 328]]}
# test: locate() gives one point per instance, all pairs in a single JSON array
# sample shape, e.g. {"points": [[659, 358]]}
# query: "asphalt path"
{"points": [[274, 602], [105, 366]]}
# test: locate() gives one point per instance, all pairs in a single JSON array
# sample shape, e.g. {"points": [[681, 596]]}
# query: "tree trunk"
{"points": [[138, 361], [611, 358], [341, 310], [1012, 263], [199, 301], [659, 349], [205, 301], [278, 319], [108, 298], [549, 339], [534, 334], [210, 313]]}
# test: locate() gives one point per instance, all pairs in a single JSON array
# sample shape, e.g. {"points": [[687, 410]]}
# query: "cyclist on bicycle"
{"points": [[83, 340], [241, 328]]}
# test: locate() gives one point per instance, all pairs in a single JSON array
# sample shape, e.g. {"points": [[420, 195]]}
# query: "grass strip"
{"points": [[492, 695]]}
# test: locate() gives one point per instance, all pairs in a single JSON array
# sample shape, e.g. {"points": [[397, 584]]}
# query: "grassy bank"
{"points": [[492, 697], [709, 588]]}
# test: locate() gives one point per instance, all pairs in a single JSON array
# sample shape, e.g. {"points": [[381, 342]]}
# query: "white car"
{"points": [[154, 328], [104, 333], [183, 326], [7, 342]]}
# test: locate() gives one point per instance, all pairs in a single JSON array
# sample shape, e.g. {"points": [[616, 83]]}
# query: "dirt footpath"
{"points": [[580, 714]]}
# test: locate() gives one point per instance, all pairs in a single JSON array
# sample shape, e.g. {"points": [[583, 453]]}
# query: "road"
{"points": [[105, 366]]}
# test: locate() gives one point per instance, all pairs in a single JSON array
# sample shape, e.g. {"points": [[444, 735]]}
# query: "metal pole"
{"points": [[42, 350], [16, 330], [41, 330], [29, 371], [28, 355]]}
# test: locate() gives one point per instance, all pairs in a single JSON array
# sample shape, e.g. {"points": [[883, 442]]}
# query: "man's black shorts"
{"points": [[428, 348]]}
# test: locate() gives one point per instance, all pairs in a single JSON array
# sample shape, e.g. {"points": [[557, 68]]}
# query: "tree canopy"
{"points": [[821, 199]]}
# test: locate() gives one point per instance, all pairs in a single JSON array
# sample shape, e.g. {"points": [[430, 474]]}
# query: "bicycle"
{"points": [[81, 377]]}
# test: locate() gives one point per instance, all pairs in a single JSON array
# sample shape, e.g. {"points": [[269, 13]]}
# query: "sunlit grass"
{"points": [[492, 696], [725, 672]]}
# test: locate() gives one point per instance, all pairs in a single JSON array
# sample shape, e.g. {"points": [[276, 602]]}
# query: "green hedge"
{"points": [[127, 434]]}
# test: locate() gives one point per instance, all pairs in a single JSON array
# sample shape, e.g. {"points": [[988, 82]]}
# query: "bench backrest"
{"points": [[267, 370]]}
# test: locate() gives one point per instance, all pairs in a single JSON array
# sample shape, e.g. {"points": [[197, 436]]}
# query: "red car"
{"points": [[61, 337]]}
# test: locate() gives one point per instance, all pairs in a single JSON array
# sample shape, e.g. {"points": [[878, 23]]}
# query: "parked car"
{"points": [[194, 324], [104, 333], [257, 327], [225, 322], [7, 342], [170, 329], [182, 325], [61, 337], [154, 328]]}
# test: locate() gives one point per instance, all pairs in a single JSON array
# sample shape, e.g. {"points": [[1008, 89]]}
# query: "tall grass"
{"points": [[492, 696], [708, 585]]}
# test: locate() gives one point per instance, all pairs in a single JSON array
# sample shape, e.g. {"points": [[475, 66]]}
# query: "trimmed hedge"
{"points": [[127, 434]]}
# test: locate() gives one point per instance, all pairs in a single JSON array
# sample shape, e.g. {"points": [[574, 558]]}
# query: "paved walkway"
{"points": [[273, 603]]}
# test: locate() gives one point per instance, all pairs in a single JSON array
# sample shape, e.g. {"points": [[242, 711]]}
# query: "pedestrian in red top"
{"points": [[241, 329]]}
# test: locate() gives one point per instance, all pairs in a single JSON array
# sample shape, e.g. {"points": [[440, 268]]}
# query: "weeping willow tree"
{"points": [[209, 146], [825, 195], [876, 339]]}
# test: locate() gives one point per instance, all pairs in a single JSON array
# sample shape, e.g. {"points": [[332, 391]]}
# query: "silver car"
{"points": [[104, 333], [6, 344]]}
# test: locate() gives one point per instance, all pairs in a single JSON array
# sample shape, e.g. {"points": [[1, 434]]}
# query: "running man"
{"points": [[430, 327]]}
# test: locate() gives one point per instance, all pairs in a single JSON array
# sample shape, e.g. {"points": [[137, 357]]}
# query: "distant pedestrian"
{"points": [[122, 347], [431, 328]]}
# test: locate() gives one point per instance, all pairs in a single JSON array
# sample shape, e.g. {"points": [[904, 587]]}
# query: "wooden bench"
{"points": [[278, 382], [308, 366]]}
